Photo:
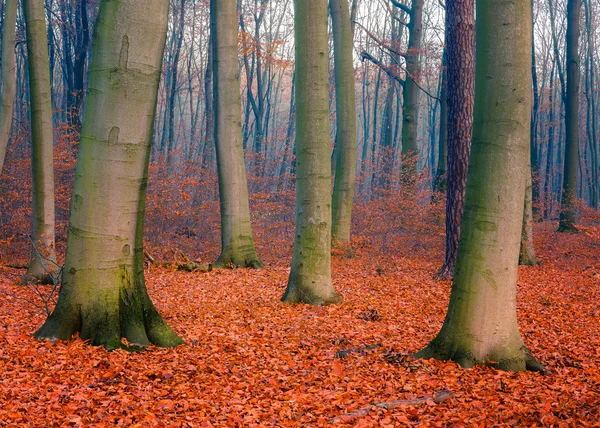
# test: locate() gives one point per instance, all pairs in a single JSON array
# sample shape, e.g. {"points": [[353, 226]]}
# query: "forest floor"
{"points": [[250, 360]]}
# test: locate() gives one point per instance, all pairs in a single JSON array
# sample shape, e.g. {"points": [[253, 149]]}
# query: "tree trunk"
{"points": [[43, 256], [527, 254], [8, 74], [237, 243], [460, 46], [103, 294], [481, 323], [410, 110], [310, 275], [343, 188], [569, 188], [440, 183]]}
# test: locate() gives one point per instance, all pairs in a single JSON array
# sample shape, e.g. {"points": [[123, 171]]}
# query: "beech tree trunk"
{"points": [[8, 74], [310, 275], [569, 188], [460, 48], [103, 294], [345, 137], [237, 243], [527, 254], [481, 323], [43, 265]]}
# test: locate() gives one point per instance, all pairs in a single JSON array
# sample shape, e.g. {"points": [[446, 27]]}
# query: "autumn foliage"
{"points": [[250, 360]]}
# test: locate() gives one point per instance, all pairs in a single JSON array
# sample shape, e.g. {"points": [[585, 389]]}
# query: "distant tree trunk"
{"points": [[289, 135], [481, 322], [548, 187], [209, 114], [533, 149], [237, 243], [79, 63], [410, 110], [569, 188], [460, 47], [591, 110], [43, 255], [103, 294], [527, 254], [310, 275], [8, 74], [343, 188], [440, 182]]}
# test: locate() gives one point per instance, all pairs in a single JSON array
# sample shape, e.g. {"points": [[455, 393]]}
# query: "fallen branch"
{"points": [[343, 353], [17, 265], [440, 397], [150, 258], [194, 267]]}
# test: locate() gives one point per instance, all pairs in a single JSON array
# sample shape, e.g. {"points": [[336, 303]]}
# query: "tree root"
{"points": [[440, 397]]}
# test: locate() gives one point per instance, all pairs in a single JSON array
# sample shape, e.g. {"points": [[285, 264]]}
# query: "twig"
{"points": [[440, 397]]}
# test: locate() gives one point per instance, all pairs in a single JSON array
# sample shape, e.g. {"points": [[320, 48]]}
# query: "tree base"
{"points": [[528, 260], [506, 359], [445, 273], [106, 319], [295, 294], [229, 261], [567, 227]]}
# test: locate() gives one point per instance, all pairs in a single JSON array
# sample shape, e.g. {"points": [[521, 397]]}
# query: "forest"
{"points": [[254, 213]]}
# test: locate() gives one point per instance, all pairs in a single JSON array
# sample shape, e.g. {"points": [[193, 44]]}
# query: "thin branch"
{"points": [[379, 41], [402, 6]]}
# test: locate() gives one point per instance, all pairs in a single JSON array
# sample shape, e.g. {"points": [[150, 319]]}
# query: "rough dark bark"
{"points": [[460, 48]]}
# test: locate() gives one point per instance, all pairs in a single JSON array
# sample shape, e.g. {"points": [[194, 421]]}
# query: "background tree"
{"points": [[460, 51], [103, 294], [569, 189], [8, 76], [310, 275], [43, 254], [481, 323], [345, 137], [237, 243]]}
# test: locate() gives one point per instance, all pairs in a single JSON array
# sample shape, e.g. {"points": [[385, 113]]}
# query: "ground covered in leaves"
{"points": [[250, 360]]}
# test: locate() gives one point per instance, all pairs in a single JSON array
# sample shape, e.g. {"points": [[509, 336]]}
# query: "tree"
{"points": [[481, 323], [569, 189], [103, 294], [410, 109], [237, 243], [345, 137], [310, 275], [460, 51], [8, 76], [43, 255]]}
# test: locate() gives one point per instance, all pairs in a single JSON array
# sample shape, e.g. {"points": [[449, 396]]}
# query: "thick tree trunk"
{"points": [[310, 275], [460, 47], [103, 294], [481, 323], [343, 188], [569, 188], [237, 243], [8, 74], [43, 256]]}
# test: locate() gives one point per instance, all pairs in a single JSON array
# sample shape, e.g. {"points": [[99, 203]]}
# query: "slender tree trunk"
{"points": [[310, 275], [481, 322], [43, 255], [79, 63], [569, 188], [591, 115], [460, 47], [410, 110], [209, 114], [103, 294], [237, 243], [343, 188], [527, 254], [8, 74], [440, 183]]}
